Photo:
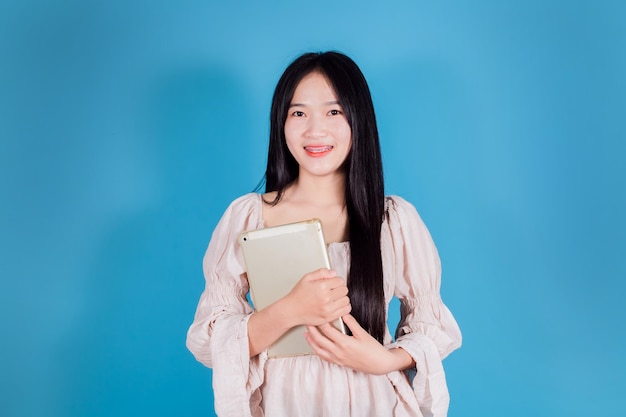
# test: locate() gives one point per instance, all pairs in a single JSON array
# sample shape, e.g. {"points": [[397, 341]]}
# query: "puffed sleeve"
{"points": [[218, 336], [427, 330]]}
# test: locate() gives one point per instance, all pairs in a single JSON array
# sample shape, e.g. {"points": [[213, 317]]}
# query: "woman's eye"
{"points": [[335, 112], [297, 114]]}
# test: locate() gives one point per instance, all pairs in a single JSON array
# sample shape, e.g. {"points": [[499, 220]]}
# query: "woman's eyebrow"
{"points": [[328, 103]]}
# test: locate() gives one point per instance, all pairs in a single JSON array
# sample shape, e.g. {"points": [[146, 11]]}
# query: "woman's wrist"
{"points": [[267, 325], [400, 359], [282, 314]]}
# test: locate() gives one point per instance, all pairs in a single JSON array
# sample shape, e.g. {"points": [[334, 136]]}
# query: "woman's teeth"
{"points": [[318, 149]]}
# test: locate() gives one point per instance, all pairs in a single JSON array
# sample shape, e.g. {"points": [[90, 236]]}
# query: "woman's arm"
{"points": [[319, 297]]}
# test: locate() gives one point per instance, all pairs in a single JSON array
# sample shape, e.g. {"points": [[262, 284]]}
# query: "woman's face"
{"points": [[316, 130]]}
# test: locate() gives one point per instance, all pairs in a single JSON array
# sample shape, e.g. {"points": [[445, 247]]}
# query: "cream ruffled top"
{"points": [[305, 385]]}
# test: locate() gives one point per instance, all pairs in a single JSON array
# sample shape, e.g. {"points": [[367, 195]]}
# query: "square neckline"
{"points": [[261, 223]]}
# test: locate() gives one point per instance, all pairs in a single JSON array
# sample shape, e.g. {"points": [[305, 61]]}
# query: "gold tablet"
{"points": [[276, 259]]}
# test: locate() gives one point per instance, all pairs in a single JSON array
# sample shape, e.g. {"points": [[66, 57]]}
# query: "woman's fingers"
{"points": [[329, 332], [321, 273], [319, 297], [341, 289], [320, 343], [353, 325]]}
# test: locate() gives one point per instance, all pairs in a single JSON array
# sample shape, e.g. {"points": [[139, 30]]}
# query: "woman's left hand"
{"points": [[360, 351]]}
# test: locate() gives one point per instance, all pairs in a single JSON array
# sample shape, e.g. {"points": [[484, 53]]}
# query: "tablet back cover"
{"points": [[276, 259]]}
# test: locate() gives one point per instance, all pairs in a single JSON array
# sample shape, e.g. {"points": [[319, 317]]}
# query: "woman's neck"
{"points": [[319, 191], [312, 197]]}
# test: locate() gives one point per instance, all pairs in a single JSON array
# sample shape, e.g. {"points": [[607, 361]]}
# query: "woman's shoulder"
{"points": [[245, 200], [401, 214], [395, 204], [246, 209], [401, 217]]}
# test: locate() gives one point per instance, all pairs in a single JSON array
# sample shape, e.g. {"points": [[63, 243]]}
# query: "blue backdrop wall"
{"points": [[126, 128]]}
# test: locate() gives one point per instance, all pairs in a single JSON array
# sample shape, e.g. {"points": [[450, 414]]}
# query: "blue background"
{"points": [[127, 127]]}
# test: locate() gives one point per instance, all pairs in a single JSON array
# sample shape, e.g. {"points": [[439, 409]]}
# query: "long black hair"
{"points": [[364, 191]]}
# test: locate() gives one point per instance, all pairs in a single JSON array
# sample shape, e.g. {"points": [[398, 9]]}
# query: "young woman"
{"points": [[324, 161]]}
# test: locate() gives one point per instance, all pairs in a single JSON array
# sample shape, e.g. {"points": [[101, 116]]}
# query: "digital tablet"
{"points": [[276, 259]]}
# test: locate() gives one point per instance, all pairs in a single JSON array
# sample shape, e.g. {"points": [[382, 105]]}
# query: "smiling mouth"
{"points": [[318, 150]]}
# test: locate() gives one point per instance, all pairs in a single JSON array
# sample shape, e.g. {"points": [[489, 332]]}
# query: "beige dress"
{"points": [[305, 385]]}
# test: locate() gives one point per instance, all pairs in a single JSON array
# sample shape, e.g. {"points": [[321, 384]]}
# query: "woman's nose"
{"points": [[316, 127]]}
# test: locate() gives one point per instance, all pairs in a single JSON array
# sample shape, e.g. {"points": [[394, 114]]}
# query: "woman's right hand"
{"points": [[319, 297]]}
